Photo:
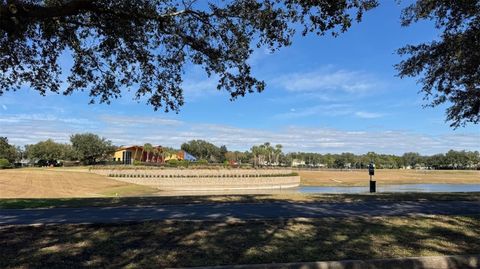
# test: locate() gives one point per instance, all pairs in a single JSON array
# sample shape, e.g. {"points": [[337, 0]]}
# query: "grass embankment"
{"points": [[37, 187], [175, 244], [52, 183], [209, 199], [387, 176]]}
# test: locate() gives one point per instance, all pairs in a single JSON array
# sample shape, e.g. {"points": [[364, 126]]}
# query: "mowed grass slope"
{"points": [[387, 176], [50, 183]]}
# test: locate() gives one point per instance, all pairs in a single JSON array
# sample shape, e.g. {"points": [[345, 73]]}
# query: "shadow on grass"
{"points": [[175, 244], [254, 198]]}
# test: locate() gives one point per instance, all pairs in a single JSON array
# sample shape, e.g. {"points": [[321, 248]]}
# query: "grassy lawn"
{"points": [[172, 244], [257, 198], [386, 176]]}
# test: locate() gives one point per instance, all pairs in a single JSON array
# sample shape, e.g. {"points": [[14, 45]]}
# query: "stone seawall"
{"points": [[204, 184]]}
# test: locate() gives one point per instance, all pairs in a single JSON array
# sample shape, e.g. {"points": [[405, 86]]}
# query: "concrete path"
{"points": [[224, 211]]}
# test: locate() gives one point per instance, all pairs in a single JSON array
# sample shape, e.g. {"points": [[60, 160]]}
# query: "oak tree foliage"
{"points": [[7, 151], [144, 45], [91, 148], [449, 67]]}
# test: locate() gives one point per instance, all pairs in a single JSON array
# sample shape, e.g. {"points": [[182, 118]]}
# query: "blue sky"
{"points": [[323, 94]]}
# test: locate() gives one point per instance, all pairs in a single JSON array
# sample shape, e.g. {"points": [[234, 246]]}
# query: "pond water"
{"points": [[339, 190], [395, 188]]}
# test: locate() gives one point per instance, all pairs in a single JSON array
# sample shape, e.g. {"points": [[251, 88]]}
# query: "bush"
{"points": [[172, 163], [137, 163], [4, 163], [202, 161]]}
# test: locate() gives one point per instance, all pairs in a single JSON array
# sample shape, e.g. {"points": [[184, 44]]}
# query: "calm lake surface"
{"points": [[395, 188], [340, 190]]}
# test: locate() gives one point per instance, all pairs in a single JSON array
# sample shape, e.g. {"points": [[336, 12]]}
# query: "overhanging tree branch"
{"points": [[145, 45]]}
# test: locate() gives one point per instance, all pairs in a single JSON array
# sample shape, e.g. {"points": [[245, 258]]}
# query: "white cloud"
{"points": [[328, 110], [27, 130], [131, 120], [368, 115], [199, 88], [5, 107], [320, 110], [327, 79], [17, 118], [197, 84]]}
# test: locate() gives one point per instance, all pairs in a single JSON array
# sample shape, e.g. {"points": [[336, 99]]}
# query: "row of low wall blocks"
{"points": [[200, 176]]}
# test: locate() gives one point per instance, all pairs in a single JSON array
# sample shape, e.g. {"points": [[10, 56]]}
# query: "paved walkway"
{"points": [[223, 211]]}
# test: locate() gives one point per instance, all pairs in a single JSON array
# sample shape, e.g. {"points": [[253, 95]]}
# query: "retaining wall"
{"points": [[203, 184], [206, 179]]}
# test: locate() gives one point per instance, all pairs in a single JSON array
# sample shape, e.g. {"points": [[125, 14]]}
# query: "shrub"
{"points": [[202, 161], [173, 162], [4, 163]]}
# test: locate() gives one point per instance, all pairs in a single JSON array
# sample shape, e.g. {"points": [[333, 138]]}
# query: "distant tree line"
{"points": [[84, 148], [204, 150], [450, 160], [92, 149]]}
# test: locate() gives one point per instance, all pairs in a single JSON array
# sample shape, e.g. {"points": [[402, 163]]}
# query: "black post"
{"points": [[371, 172], [373, 186]]}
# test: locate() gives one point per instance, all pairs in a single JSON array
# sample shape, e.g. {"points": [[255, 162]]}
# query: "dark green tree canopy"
{"points": [[202, 149], [144, 45], [50, 150], [7, 151], [449, 67], [91, 148]]}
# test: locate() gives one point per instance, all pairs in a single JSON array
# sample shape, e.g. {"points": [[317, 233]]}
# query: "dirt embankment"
{"points": [[49, 183]]}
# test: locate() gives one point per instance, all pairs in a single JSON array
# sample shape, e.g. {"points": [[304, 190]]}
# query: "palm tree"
{"points": [[255, 151], [267, 152], [165, 153], [278, 152], [155, 154], [148, 148]]}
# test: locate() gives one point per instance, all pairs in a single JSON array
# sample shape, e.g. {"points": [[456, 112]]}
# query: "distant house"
{"points": [[181, 155], [297, 162], [24, 162], [128, 154], [187, 156]]}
